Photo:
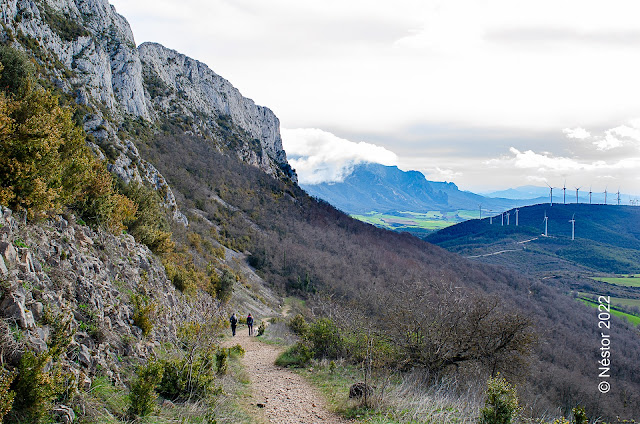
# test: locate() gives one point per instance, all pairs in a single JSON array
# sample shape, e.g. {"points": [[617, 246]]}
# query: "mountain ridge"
{"points": [[374, 187]]}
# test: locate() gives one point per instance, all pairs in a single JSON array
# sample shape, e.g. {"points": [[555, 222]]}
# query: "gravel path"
{"points": [[285, 396]]}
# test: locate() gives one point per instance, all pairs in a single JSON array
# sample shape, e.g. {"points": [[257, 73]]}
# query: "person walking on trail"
{"points": [[250, 324], [234, 321]]}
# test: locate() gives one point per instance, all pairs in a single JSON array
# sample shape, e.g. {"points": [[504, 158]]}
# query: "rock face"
{"points": [[62, 269], [88, 51], [190, 87]]}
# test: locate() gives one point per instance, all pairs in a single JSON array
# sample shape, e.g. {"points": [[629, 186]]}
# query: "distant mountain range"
{"points": [[374, 187]]}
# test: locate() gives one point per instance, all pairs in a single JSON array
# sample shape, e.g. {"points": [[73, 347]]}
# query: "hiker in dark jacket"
{"points": [[234, 321], [250, 324]]}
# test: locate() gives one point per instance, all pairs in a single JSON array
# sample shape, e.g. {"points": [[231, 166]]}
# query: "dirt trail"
{"points": [[286, 397]]}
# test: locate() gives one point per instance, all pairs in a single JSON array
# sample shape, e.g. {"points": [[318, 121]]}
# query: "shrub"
{"points": [[222, 356], [142, 397], [236, 351], [297, 355], [579, 415], [187, 377], [221, 286], [143, 313], [298, 325], [45, 163], [261, 329], [38, 386], [6, 395], [149, 225], [501, 404], [325, 339]]}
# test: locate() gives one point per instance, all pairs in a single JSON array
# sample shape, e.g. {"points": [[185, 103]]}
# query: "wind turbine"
{"points": [[564, 192], [618, 196], [546, 219], [550, 194], [508, 214], [517, 210], [480, 207], [577, 188], [502, 216], [590, 194], [605, 195], [573, 226]]}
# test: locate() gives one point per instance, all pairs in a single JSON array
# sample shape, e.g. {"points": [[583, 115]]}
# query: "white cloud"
{"points": [[579, 133], [320, 156]]}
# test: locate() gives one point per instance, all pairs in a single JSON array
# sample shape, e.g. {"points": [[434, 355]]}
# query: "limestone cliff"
{"points": [[87, 50]]}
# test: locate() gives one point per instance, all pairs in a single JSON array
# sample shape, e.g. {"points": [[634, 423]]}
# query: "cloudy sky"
{"points": [[486, 93]]}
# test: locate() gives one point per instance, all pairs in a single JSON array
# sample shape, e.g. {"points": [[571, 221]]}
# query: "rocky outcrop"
{"points": [[183, 85], [88, 51], [66, 270]]}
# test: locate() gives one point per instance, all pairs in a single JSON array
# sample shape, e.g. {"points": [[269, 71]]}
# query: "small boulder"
{"points": [[9, 252], [13, 307], [64, 414]]}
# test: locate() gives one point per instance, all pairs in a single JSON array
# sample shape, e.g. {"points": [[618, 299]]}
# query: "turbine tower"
{"points": [[508, 214], [573, 226], [502, 217], [618, 196], [605, 195], [577, 188], [550, 194], [590, 194], [480, 207], [564, 192], [517, 210], [546, 219]]}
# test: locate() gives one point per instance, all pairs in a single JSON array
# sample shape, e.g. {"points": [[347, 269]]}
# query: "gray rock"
{"points": [[64, 413], [13, 307], [9, 252]]}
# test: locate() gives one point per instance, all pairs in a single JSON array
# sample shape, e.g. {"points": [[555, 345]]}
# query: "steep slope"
{"points": [[87, 51], [374, 187]]}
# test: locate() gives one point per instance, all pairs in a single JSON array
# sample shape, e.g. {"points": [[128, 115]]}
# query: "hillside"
{"points": [[215, 222], [607, 236]]}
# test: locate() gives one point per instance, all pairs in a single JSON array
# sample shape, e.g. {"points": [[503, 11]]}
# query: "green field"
{"points": [[408, 221], [632, 281], [633, 319]]}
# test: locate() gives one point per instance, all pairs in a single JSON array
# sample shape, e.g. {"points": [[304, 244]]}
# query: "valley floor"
{"points": [[284, 396]]}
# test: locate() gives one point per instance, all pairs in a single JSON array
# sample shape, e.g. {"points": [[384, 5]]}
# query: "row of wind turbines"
{"points": [[564, 194], [507, 214]]}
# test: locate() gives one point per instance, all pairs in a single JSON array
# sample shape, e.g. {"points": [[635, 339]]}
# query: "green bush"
{"points": [[6, 395], [45, 164], [143, 313], [187, 378], [298, 325], [297, 355], [501, 405], [222, 286], [261, 328], [236, 351], [579, 415], [149, 225], [142, 397], [222, 363], [37, 387], [325, 339]]}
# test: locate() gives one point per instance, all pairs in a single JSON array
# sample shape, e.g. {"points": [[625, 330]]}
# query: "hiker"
{"points": [[250, 324], [234, 321]]}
